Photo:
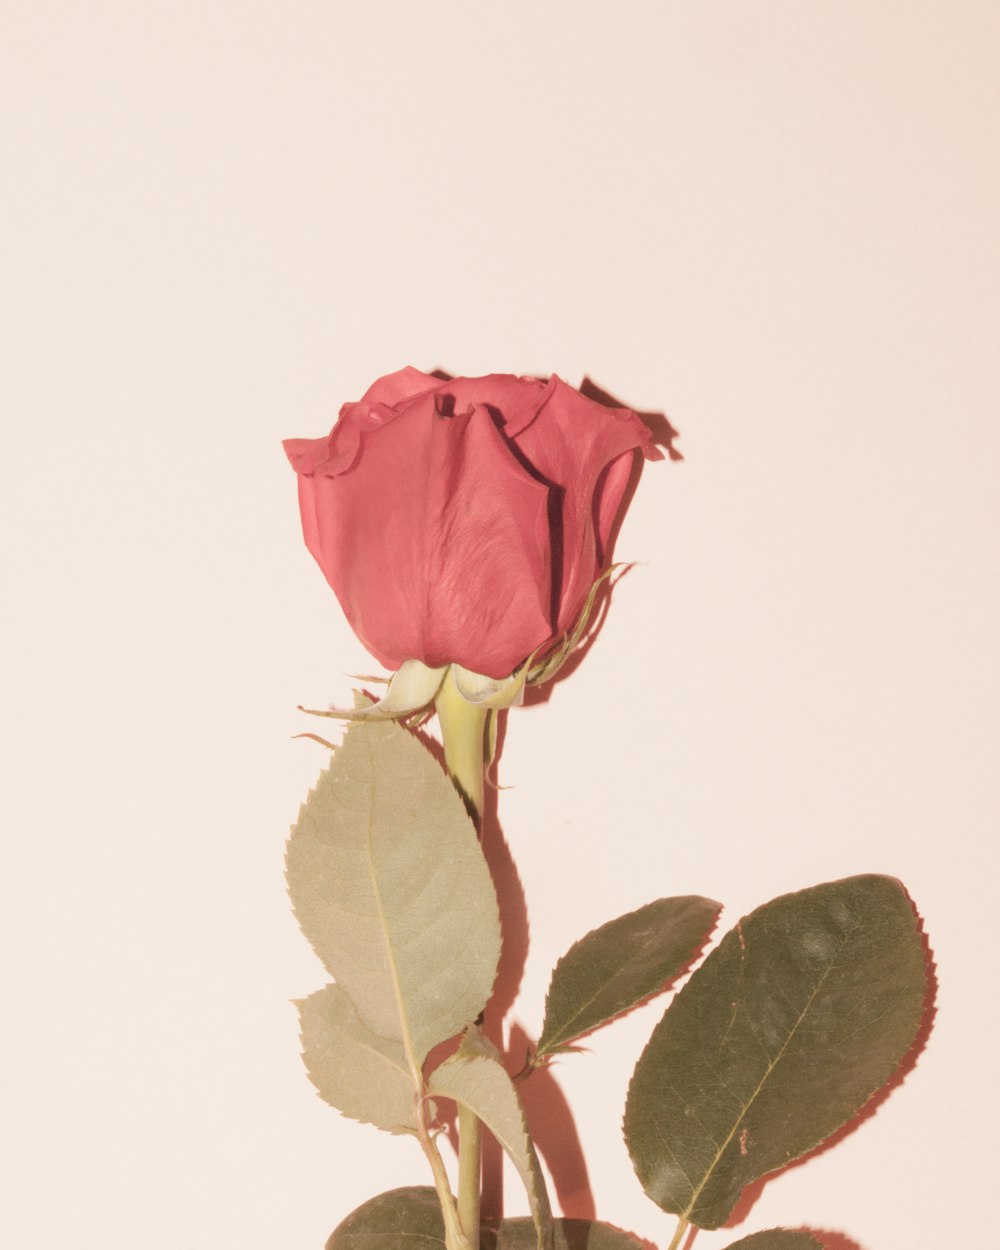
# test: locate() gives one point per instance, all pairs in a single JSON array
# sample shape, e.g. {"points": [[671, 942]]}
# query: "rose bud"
{"points": [[464, 523]]}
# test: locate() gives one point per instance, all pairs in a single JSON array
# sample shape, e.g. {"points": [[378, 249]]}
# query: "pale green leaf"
{"points": [[805, 1009], [475, 1078], [390, 886], [778, 1239], [618, 965], [361, 1074], [411, 1218]]}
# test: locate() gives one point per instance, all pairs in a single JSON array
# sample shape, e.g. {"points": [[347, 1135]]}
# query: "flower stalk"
{"points": [[463, 733]]}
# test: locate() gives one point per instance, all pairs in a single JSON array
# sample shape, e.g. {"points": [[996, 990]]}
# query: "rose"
{"points": [[464, 522]]}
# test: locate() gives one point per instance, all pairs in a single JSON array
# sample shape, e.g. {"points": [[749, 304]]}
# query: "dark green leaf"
{"points": [[805, 1009], [618, 965], [778, 1239], [412, 1218], [567, 1235]]}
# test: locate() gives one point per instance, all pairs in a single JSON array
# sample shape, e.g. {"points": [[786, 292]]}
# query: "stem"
{"points": [[470, 1141], [454, 1236], [682, 1226], [463, 729]]}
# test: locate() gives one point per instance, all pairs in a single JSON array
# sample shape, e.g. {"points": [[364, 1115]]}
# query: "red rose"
{"points": [[465, 522]]}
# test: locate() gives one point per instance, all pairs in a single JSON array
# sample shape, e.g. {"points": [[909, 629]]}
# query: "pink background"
{"points": [[777, 223]]}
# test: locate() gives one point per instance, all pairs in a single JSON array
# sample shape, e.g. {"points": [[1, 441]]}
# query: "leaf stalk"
{"points": [[683, 1225]]}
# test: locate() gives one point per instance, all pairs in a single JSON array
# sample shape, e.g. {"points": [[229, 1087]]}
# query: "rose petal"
{"points": [[403, 384], [571, 441], [436, 543], [515, 401]]}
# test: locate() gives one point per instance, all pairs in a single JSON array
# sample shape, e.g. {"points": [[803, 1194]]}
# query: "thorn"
{"points": [[316, 738], [312, 711]]}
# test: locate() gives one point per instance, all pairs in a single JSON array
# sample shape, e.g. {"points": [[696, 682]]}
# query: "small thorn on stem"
{"points": [[316, 738]]}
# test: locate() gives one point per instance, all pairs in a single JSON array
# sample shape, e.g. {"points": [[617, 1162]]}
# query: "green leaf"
{"points": [[618, 965], [567, 1235], [390, 886], [475, 1078], [778, 1239], [412, 1218], [402, 1217], [805, 1009], [361, 1074]]}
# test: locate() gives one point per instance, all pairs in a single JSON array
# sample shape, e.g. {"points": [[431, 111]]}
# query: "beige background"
{"points": [[776, 221]]}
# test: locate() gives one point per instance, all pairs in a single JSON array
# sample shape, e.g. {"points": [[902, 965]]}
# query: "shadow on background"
{"points": [[554, 1132]]}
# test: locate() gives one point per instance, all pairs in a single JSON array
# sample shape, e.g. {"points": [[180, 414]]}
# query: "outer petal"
{"points": [[339, 450], [435, 541], [404, 384], [585, 449], [512, 400]]}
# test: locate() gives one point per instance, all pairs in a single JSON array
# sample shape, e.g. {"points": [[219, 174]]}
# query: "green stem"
{"points": [[463, 729], [682, 1226], [470, 1141], [454, 1236]]}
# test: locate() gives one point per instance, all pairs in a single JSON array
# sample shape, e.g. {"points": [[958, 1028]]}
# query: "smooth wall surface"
{"points": [[773, 221]]}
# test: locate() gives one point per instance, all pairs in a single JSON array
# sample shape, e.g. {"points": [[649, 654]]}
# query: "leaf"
{"points": [[359, 1073], [382, 1223], [475, 1077], [412, 1218], [390, 886], [618, 965], [778, 1239], [805, 1009], [567, 1235]]}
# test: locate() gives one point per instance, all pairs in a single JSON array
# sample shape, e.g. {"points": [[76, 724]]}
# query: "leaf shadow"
{"points": [[750, 1196], [554, 1133]]}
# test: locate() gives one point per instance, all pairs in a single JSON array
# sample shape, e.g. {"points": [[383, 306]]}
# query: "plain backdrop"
{"points": [[774, 221]]}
